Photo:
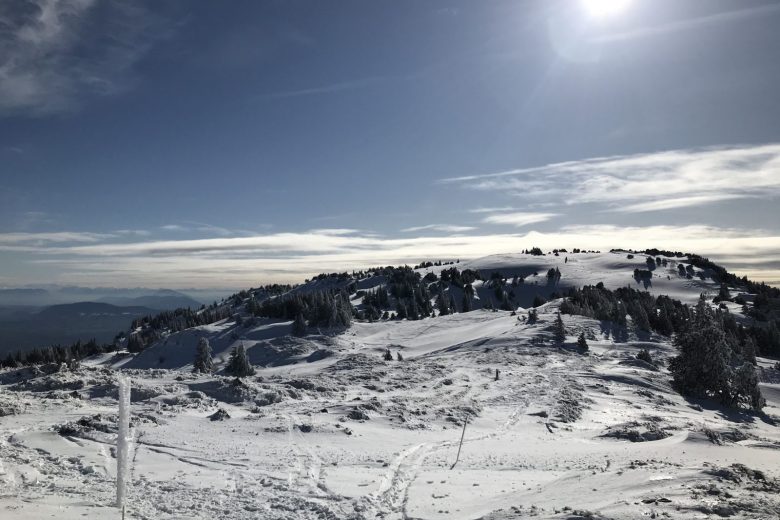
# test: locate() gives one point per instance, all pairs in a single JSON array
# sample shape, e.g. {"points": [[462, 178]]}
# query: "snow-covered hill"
{"points": [[328, 429], [268, 341]]}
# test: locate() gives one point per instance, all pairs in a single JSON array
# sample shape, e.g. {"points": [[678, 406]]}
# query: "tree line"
{"points": [[717, 355], [56, 354]]}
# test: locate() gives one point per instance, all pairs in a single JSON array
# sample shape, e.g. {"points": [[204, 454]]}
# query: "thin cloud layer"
{"points": [[519, 219], [43, 238], [644, 182], [292, 257], [55, 52], [444, 228]]}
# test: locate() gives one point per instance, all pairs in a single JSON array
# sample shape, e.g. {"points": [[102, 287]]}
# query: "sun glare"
{"points": [[604, 8]]}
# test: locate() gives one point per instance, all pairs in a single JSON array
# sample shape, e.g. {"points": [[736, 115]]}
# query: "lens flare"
{"points": [[604, 8]]}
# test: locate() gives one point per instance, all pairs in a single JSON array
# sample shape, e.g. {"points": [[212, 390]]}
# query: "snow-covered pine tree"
{"points": [[703, 367], [203, 361], [582, 342], [441, 304], [746, 389], [559, 329], [239, 364]]}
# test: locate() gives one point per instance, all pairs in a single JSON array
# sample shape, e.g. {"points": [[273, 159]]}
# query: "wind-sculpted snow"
{"points": [[328, 429]]}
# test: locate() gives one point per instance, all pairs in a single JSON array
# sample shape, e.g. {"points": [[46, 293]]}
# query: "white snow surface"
{"points": [[326, 429]]}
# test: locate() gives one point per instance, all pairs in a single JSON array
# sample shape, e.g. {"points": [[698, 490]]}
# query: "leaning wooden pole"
{"points": [[462, 435]]}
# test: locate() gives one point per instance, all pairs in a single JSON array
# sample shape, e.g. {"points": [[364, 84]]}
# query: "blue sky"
{"points": [[208, 144]]}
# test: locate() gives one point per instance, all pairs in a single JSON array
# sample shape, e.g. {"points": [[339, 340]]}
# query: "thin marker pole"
{"points": [[462, 435], [122, 444]]}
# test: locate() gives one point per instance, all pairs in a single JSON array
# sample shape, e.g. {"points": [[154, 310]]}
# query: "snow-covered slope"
{"points": [[268, 342], [328, 429]]}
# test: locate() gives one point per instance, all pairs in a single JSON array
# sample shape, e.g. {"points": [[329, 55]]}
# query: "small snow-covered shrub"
{"points": [[582, 342]]}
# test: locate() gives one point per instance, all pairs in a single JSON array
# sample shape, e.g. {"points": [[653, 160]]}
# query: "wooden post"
{"points": [[462, 435], [122, 442]]}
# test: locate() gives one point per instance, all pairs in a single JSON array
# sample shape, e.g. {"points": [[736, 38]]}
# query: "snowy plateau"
{"points": [[327, 428]]}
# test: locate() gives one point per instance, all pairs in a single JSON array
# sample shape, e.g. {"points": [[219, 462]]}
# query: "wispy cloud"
{"points": [[212, 230], [678, 202], [56, 237], [136, 232], [651, 182], [518, 219], [53, 53], [334, 231], [173, 227], [444, 228], [491, 210], [330, 88]]}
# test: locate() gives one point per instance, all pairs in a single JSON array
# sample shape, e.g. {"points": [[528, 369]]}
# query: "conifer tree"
{"points": [[203, 361], [505, 304], [746, 387], [582, 342], [134, 344], [559, 330], [239, 364], [640, 318], [441, 304], [414, 311], [749, 350], [400, 310], [466, 304], [299, 326], [702, 368]]}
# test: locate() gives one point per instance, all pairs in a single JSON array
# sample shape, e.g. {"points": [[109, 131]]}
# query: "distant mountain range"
{"points": [[161, 299], [39, 317], [64, 324]]}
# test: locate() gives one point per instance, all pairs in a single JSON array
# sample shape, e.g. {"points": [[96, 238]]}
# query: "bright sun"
{"points": [[603, 8]]}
